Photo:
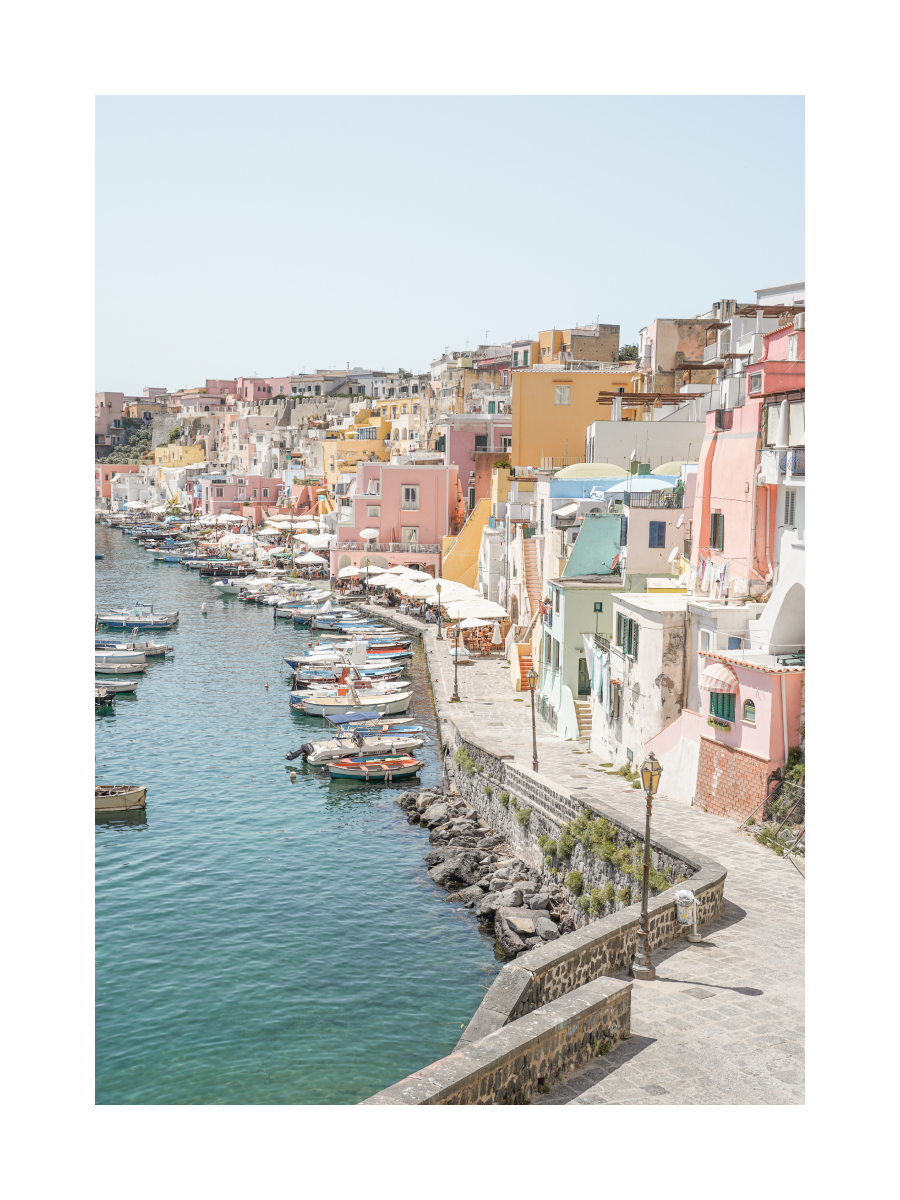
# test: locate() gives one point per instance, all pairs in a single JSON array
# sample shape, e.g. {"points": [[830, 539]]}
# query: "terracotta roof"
{"points": [[739, 662]]}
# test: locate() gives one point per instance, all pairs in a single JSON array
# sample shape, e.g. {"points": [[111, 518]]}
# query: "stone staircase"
{"points": [[525, 662], [532, 576], [585, 720]]}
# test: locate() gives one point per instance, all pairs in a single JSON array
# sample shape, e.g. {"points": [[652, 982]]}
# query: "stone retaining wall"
{"points": [[528, 1056]]}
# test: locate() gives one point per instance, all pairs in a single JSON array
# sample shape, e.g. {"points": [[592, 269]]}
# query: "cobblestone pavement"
{"points": [[723, 1023]]}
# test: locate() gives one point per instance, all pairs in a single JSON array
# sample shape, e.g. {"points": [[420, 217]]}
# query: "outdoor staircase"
{"points": [[532, 576], [524, 667], [585, 721]]}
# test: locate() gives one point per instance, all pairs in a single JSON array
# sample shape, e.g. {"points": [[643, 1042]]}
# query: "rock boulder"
{"points": [[460, 866]]}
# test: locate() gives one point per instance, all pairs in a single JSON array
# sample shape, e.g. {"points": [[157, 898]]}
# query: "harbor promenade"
{"points": [[723, 1022]]}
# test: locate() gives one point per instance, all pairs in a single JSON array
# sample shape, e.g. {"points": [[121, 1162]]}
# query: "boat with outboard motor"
{"points": [[350, 742], [119, 797], [156, 649], [140, 616]]}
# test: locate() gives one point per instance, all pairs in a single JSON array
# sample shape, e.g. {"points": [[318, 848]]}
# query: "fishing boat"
{"points": [[119, 668], [141, 616], [119, 656], [321, 706], [103, 697], [119, 798], [118, 685], [156, 649], [355, 742], [376, 768]]}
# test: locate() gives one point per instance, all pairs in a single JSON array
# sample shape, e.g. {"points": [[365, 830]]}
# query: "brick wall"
{"points": [[730, 783]]}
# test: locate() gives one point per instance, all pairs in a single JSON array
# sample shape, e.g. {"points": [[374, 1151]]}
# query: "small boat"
{"points": [[321, 706], [119, 656], [141, 616], [118, 685], [97, 555], [155, 649], [103, 697], [372, 718], [376, 768], [118, 798], [331, 749], [119, 668]]}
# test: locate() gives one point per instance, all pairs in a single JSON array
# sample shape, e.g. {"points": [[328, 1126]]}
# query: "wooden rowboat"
{"points": [[119, 797], [376, 768]]}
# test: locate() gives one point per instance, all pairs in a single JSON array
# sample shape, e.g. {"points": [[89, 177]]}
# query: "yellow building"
{"points": [[176, 455], [551, 411], [342, 450], [581, 343]]}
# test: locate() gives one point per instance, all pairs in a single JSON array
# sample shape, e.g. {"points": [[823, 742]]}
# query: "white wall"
{"points": [[655, 442]]}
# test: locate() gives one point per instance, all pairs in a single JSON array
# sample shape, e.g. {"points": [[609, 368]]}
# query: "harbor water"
{"points": [[258, 941]]}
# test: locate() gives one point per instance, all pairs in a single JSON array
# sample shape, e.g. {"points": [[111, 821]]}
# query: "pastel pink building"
{"points": [[258, 391], [408, 508], [104, 472], [249, 495]]}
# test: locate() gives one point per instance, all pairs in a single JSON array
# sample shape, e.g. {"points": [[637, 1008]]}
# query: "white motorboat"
{"points": [[326, 706], [246, 583], [119, 668], [332, 749], [154, 649], [141, 616], [119, 685], [119, 656]]}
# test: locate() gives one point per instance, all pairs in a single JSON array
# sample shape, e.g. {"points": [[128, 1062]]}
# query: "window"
{"points": [[394, 411], [409, 533], [623, 534], [716, 531], [524, 358], [627, 634], [403, 408], [362, 389], [409, 497], [254, 492], [492, 406], [318, 389], [515, 358], [506, 443], [616, 701], [598, 606], [220, 492], [481, 441], [373, 510], [792, 348], [555, 660], [657, 535], [415, 409], [505, 379], [721, 704], [562, 393], [750, 712], [790, 507], [754, 384], [734, 643], [471, 498]]}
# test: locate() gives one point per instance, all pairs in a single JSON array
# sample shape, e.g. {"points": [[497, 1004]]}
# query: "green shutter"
{"points": [[634, 639]]}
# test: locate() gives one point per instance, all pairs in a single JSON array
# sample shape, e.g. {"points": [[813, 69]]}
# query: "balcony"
{"points": [[409, 505], [716, 352], [796, 459], [654, 500], [412, 548]]}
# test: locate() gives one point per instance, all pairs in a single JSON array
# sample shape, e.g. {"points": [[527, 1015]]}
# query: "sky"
{"points": [[270, 235]]}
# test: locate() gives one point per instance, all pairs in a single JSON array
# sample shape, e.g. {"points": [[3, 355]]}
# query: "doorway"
{"points": [[584, 680]]}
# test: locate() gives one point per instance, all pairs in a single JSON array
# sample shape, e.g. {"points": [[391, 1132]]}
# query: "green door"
{"points": [[584, 682]]}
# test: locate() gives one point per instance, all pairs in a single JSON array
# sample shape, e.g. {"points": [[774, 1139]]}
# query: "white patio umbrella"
{"points": [[368, 534], [135, 504], [474, 608], [309, 557], [496, 639], [453, 592], [371, 570], [348, 572], [473, 623]]}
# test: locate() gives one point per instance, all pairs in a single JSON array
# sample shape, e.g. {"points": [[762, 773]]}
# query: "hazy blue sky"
{"points": [[269, 235]]}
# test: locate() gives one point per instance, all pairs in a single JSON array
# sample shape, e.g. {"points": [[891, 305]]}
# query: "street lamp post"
{"points": [[366, 579], [532, 682], [454, 699], [440, 636], [642, 967]]}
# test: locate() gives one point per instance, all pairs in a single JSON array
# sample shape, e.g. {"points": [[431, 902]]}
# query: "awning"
{"points": [[719, 678], [567, 510]]}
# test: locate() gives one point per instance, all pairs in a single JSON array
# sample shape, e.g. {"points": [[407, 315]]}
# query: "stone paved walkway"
{"points": [[723, 1023]]}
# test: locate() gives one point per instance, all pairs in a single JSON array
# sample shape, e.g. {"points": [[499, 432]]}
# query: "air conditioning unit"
{"points": [[800, 321]]}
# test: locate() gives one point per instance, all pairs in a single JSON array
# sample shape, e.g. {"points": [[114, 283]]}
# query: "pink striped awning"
{"points": [[719, 678]]}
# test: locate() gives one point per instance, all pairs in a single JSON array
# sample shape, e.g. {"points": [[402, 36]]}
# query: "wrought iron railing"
{"points": [[655, 500], [391, 547], [797, 460]]}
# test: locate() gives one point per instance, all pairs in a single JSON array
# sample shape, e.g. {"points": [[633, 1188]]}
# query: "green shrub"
{"points": [[514, 802], [464, 760], [548, 860], [566, 844], [583, 902], [624, 895], [575, 882], [597, 902], [488, 790], [504, 798], [523, 816], [479, 768], [658, 881], [636, 784]]}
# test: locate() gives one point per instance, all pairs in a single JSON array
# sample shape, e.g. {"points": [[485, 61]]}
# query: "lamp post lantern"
{"points": [[440, 636], [642, 967], [532, 682], [454, 699]]}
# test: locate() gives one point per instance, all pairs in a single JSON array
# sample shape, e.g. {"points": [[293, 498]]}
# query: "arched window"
{"points": [[750, 711]]}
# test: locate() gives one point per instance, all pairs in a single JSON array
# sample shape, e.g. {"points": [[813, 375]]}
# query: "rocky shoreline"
{"points": [[476, 866]]}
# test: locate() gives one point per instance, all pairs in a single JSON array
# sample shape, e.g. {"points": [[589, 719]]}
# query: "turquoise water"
{"points": [[258, 942]]}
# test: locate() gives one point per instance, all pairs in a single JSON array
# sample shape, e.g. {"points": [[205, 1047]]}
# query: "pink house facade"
{"points": [[410, 509], [722, 758], [249, 495]]}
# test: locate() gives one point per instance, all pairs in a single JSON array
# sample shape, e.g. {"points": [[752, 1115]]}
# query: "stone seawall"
{"points": [[528, 1056]]}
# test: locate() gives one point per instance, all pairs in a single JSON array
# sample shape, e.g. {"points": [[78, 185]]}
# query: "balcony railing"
{"points": [[409, 505], [412, 548], [797, 459], [715, 351], [655, 500]]}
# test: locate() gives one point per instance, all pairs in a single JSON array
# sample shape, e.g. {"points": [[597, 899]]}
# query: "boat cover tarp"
{"points": [[353, 718]]}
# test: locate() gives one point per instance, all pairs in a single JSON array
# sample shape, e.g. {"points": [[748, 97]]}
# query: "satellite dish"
{"points": [[674, 554], [679, 522]]}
